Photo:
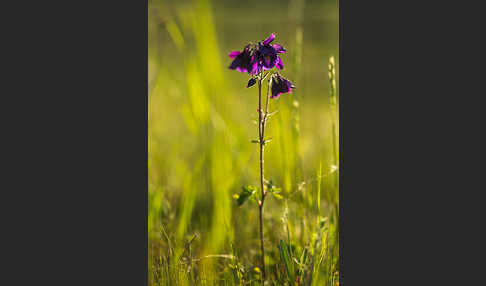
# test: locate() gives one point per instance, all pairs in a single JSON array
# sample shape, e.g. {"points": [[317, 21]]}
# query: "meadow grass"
{"points": [[201, 123]]}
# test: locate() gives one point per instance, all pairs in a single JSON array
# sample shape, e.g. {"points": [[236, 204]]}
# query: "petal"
{"points": [[269, 39], [234, 54], [279, 63], [254, 68], [279, 48], [290, 86], [234, 64]]}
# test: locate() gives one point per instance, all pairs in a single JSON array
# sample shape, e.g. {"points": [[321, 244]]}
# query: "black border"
{"points": [[75, 185]]}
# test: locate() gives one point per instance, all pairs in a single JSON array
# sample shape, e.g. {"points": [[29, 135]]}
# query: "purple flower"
{"points": [[253, 59], [244, 61], [280, 85], [268, 54]]}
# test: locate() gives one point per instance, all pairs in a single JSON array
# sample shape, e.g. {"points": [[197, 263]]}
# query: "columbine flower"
{"points": [[244, 61], [268, 54], [253, 59], [280, 85]]}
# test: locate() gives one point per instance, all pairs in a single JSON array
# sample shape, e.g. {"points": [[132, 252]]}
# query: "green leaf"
{"points": [[285, 256], [271, 188], [276, 195], [303, 261], [271, 114], [265, 141], [268, 184], [248, 191]]}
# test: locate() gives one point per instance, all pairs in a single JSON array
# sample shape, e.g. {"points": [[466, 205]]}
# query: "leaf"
{"points": [[248, 191], [269, 185], [303, 261], [276, 195], [271, 188], [285, 256], [265, 141], [303, 258], [271, 114]]}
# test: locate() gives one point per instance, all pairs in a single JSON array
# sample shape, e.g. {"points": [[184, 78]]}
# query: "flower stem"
{"points": [[261, 133]]}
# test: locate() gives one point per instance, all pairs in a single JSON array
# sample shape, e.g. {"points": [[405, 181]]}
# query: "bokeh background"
{"points": [[201, 123]]}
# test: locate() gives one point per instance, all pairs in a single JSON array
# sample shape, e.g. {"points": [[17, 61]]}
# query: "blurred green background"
{"points": [[201, 122]]}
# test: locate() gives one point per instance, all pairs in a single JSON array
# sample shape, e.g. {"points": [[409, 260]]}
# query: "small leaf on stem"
{"points": [[248, 191], [273, 190], [251, 82], [276, 195], [271, 114]]}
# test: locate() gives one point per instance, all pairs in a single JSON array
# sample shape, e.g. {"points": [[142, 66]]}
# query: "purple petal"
{"points": [[234, 64], [234, 54], [279, 64], [269, 39], [254, 68], [279, 48]]}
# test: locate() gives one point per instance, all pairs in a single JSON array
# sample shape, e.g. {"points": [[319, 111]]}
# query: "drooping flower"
{"points": [[268, 54], [280, 85], [244, 61], [255, 58]]}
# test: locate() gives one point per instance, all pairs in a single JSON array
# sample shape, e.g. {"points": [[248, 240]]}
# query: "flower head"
{"points": [[255, 58], [244, 61], [280, 85], [267, 55]]}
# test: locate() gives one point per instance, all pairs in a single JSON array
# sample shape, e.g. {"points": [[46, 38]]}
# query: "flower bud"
{"points": [[251, 82]]}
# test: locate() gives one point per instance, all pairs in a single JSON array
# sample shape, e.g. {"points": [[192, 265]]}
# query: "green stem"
{"points": [[262, 119], [260, 205]]}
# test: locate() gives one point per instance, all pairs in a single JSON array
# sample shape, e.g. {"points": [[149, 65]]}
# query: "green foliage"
{"points": [[273, 190], [286, 257], [248, 192]]}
